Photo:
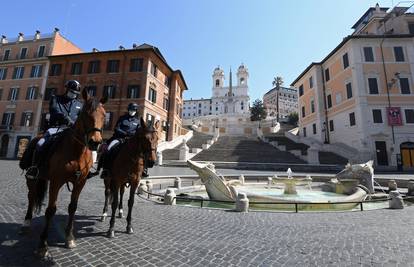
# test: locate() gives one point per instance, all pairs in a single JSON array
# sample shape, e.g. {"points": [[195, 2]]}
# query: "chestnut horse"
{"points": [[70, 161], [128, 165]]}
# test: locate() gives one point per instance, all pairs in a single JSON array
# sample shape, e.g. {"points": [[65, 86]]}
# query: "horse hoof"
{"points": [[70, 244], [129, 230], [43, 252], [103, 218], [111, 234]]}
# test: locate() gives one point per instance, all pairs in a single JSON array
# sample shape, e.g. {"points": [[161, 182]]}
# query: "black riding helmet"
{"points": [[132, 106], [73, 86]]}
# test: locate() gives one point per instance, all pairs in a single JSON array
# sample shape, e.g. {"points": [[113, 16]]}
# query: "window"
{"points": [[166, 103], [3, 73], [301, 90], [310, 82], [314, 128], [352, 119], [303, 112], [304, 131], [312, 104], [399, 54], [41, 51], [136, 65], [150, 119], [154, 69], [373, 86], [48, 93], [327, 76], [31, 93], [76, 68], [18, 73], [109, 91], [331, 126], [1, 93], [242, 80], [345, 60], [13, 94], [108, 120], [377, 115], [112, 66], [133, 91], [348, 90], [91, 90], [27, 118], [8, 119], [36, 71], [404, 86], [55, 69], [368, 54], [167, 81], [217, 83], [23, 53], [152, 95], [94, 66], [242, 105], [329, 100], [411, 28], [409, 115], [6, 55]]}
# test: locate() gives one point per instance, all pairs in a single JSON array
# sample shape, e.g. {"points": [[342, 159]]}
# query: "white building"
{"points": [[288, 102], [225, 99]]}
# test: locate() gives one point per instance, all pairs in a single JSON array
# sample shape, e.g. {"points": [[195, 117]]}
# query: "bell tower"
{"points": [[218, 78], [242, 76]]}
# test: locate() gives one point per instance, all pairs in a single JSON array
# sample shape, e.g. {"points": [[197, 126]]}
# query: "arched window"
{"points": [[242, 80], [217, 83]]}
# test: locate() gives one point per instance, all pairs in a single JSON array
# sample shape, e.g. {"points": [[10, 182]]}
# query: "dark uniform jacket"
{"points": [[63, 111], [126, 126]]}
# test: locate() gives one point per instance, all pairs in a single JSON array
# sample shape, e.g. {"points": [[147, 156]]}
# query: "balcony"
{"points": [[6, 128]]}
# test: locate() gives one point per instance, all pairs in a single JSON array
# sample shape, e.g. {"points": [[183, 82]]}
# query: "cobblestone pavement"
{"points": [[180, 236]]}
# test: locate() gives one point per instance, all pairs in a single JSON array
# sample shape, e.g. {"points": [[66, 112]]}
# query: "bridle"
{"points": [[83, 140]]}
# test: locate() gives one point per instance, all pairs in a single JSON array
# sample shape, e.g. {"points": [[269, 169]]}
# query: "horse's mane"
{"points": [[91, 105]]}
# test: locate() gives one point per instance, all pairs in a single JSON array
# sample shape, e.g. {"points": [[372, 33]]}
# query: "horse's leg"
{"points": [[29, 214], [114, 194], [50, 212], [77, 189], [134, 185], [107, 200], [121, 196]]}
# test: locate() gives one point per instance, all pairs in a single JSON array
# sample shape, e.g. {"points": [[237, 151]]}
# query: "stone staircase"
{"points": [[245, 149], [195, 142]]}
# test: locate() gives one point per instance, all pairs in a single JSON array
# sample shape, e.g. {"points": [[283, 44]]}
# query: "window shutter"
{"points": [[27, 93], [12, 119], [22, 119], [14, 73], [32, 72], [17, 93]]}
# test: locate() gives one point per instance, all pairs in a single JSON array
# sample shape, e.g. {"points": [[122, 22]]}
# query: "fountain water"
{"points": [[290, 182]]}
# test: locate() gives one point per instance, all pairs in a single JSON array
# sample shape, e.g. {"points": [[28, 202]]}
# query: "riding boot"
{"points": [[98, 168], [33, 171]]}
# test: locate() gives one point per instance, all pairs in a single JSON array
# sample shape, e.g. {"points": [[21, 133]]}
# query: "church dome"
{"points": [[242, 68], [218, 70]]}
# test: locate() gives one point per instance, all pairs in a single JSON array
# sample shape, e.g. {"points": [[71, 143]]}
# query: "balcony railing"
{"points": [[6, 127]]}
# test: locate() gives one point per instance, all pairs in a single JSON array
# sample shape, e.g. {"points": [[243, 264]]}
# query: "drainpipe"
{"points": [[327, 139]]}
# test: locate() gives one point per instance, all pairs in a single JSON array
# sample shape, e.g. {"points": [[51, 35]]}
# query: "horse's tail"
{"points": [[41, 190]]}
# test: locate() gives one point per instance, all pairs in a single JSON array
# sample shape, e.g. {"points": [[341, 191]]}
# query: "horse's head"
{"points": [[91, 120], [148, 136]]}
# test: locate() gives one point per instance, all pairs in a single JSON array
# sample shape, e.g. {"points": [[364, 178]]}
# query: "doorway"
{"points": [[4, 145], [381, 149], [407, 154]]}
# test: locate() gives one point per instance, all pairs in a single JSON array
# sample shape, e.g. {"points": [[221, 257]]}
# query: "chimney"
{"points": [[37, 35], [134, 45], [95, 50], [3, 39], [56, 30], [121, 47], [20, 38]]}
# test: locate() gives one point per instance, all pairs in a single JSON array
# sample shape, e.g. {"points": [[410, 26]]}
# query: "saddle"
{"points": [[111, 154]]}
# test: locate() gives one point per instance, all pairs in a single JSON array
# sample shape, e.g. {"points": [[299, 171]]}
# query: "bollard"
{"points": [[269, 181], [149, 186], [396, 200], [242, 203], [169, 197], [410, 188], [141, 189], [241, 179], [159, 158], [392, 185], [177, 182]]}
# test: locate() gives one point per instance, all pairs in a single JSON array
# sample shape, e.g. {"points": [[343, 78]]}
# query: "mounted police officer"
{"points": [[64, 110], [125, 127]]}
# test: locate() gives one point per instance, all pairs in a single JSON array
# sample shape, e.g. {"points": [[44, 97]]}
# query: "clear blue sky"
{"points": [[272, 37]]}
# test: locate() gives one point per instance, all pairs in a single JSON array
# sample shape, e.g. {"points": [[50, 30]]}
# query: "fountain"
{"points": [[315, 196]]}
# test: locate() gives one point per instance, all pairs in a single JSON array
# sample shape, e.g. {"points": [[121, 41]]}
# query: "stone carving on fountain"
{"points": [[364, 173]]}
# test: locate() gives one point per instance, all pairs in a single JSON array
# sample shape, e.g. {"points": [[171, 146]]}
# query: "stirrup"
{"points": [[32, 173]]}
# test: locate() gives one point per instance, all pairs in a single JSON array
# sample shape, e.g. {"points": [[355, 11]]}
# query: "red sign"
{"points": [[394, 116]]}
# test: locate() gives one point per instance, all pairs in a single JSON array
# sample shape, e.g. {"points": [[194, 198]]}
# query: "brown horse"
{"points": [[70, 162], [128, 165]]}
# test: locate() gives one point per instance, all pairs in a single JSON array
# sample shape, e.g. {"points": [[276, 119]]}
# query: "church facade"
{"points": [[230, 99]]}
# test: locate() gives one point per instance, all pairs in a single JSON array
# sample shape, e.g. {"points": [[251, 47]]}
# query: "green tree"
{"points": [[293, 118], [258, 111]]}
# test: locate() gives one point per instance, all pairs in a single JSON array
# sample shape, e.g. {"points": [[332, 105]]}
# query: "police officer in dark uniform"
{"points": [[64, 110]]}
